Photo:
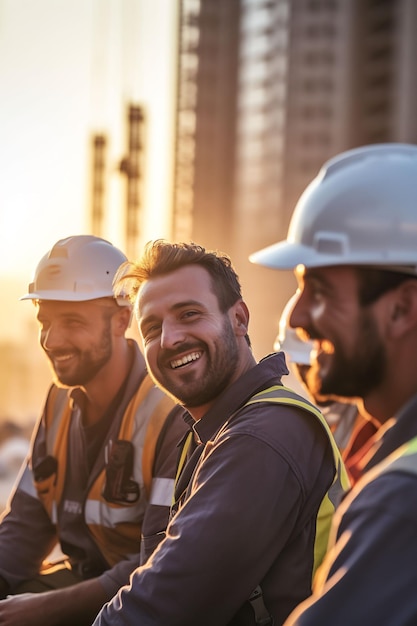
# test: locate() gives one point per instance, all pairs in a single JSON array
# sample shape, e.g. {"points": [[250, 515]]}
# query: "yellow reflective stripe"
{"points": [[285, 395], [410, 447], [104, 514], [341, 483], [182, 460], [162, 491], [276, 393], [402, 459]]}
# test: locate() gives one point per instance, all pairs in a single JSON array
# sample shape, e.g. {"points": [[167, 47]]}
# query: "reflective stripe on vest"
{"points": [[404, 459], [283, 395]]}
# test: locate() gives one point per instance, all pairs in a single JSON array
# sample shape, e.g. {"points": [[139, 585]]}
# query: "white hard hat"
{"points": [[77, 269], [361, 209], [296, 349]]}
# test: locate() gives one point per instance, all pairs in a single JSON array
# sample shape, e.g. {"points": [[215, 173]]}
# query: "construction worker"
{"points": [[257, 471], [103, 455], [349, 427], [352, 241]]}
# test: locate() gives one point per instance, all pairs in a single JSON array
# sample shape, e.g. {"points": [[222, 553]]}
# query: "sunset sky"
{"points": [[67, 68]]}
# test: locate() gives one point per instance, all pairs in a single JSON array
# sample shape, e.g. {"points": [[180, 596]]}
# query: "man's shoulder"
{"points": [[289, 428], [278, 408], [57, 399], [395, 433], [383, 491]]}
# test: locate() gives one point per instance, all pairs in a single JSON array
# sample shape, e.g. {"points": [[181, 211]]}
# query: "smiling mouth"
{"points": [[62, 358], [326, 346], [189, 358]]}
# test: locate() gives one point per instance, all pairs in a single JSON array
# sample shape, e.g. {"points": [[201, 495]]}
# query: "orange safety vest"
{"points": [[115, 527]]}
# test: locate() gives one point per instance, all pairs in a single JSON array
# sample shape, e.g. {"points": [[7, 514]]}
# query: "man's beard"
{"points": [[352, 376], [89, 363], [194, 392]]}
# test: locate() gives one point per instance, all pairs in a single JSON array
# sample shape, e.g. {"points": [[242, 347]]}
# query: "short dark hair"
{"points": [[162, 257], [374, 282]]}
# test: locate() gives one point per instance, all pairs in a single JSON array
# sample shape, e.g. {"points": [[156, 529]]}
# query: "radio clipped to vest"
{"points": [[119, 488]]}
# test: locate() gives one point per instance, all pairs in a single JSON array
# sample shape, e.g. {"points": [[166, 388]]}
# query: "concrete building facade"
{"points": [[267, 91]]}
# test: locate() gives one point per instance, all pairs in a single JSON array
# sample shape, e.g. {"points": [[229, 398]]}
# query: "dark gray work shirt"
{"points": [[249, 517], [370, 577]]}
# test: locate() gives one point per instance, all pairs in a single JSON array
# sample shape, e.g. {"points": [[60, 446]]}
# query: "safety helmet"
{"points": [[297, 350], [77, 269], [361, 209]]}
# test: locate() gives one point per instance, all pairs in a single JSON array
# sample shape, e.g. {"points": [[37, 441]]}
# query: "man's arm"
{"points": [[210, 542], [369, 576], [27, 535], [78, 605]]}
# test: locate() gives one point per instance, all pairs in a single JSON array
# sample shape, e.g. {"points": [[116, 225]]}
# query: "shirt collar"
{"points": [[266, 373]]}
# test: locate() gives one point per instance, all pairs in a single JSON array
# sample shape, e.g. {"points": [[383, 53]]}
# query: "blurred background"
{"points": [[197, 120]]}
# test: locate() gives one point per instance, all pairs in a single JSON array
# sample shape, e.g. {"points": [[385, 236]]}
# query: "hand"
{"points": [[26, 609], [78, 604]]}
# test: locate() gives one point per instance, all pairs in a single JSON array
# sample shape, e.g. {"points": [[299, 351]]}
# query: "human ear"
{"points": [[403, 310], [240, 317], [122, 319]]}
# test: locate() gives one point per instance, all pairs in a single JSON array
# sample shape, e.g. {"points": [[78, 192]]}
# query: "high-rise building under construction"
{"points": [[267, 91]]}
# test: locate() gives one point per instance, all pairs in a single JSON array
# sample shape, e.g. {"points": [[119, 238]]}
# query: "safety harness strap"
{"points": [[262, 615]]}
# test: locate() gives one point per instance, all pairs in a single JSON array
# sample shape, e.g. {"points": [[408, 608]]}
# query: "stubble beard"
{"points": [[222, 365], [90, 362], [353, 376]]}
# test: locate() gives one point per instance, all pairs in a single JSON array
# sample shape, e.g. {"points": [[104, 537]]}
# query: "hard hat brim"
{"points": [[58, 296], [286, 256]]}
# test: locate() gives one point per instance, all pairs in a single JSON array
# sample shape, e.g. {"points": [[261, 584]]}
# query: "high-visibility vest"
{"points": [[115, 527], [283, 395], [278, 394], [404, 459]]}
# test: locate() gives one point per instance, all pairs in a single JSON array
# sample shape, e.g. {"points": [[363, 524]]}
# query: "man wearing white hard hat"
{"points": [[99, 478], [352, 241], [349, 427]]}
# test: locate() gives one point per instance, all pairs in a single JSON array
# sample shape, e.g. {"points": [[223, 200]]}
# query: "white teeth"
{"points": [[185, 359], [63, 358]]}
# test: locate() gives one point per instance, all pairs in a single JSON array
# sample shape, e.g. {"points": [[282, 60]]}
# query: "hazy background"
{"points": [[61, 64], [67, 68]]}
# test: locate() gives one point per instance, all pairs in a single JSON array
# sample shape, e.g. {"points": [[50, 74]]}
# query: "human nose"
{"points": [[172, 334], [51, 338], [299, 317]]}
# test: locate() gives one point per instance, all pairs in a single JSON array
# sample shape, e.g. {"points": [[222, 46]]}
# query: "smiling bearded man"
{"points": [[352, 242], [99, 479], [254, 470]]}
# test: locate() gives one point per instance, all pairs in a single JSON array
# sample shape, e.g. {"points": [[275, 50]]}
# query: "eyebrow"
{"points": [[313, 274], [65, 315], [175, 307]]}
